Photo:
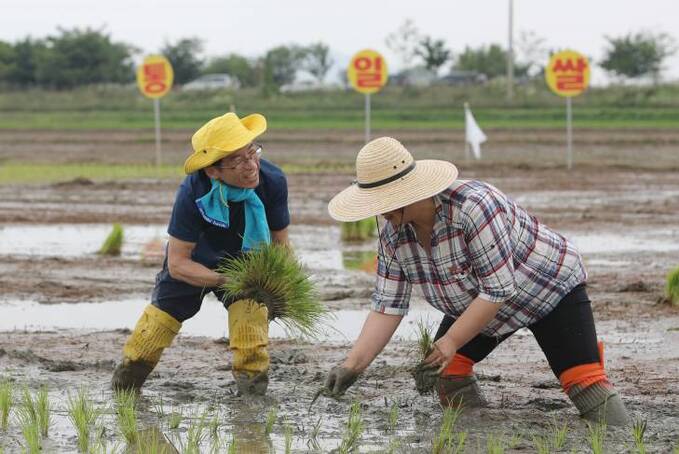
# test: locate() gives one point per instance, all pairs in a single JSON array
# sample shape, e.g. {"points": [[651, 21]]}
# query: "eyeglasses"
{"points": [[254, 152]]}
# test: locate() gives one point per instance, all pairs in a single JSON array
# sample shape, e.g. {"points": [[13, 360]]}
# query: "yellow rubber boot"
{"points": [[154, 332], [249, 339]]}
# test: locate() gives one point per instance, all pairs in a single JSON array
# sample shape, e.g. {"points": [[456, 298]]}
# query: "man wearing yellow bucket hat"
{"points": [[231, 201]]}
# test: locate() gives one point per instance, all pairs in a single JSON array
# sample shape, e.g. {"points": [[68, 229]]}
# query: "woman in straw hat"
{"points": [[483, 261], [231, 201]]}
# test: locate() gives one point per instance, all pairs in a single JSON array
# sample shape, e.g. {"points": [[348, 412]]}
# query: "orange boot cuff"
{"points": [[460, 366]]}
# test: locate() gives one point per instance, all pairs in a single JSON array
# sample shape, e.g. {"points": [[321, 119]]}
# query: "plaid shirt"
{"points": [[483, 245]]}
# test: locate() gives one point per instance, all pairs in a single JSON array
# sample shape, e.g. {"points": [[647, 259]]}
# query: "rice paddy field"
{"points": [[66, 177]]}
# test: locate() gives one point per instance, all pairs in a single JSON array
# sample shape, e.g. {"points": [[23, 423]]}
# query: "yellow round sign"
{"points": [[155, 76], [367, 71], [567, 73]]}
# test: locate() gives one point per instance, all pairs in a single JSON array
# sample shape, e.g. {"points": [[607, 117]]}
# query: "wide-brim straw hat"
{"points": [[222, 136], [388, 178]]}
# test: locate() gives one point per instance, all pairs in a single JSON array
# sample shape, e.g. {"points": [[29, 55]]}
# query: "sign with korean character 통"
{"points": [[155, 76]]}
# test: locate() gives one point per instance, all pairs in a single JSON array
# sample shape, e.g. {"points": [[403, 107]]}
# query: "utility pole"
{"points": [[510, 53]]}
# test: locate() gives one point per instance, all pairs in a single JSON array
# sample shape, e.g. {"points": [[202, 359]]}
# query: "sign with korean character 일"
{"points": [[367, 71], [567, 73], [155, 76]]}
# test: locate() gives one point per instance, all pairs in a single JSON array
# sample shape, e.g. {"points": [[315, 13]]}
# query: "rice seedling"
{"points": [[83, 415], [43, 410], [495, 444], [288, 438], [30, 428], [359, 230], [353, 431], [542, 445], [672, 287], [213, 428], [270, 420], [443, 441], [559, 434], [233, 446], [175, 419], [126, 415], [28, 410], [313, 438], [6, 400], [596, 437], [159, 407], [425, 377], [195, 436], [393, 417], [114, 242], [272, 276], [152, 441], [638, 432]]}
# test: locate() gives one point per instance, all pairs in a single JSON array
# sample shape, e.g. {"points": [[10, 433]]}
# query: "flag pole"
{"points": [[510, 53]]}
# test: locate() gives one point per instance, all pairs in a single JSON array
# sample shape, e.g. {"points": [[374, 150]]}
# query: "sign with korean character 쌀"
{"points": [[367, 71], [155, 76], [567, 73]]}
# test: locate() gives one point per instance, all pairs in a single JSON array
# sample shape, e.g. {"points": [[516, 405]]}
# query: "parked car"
{"points": [[413, 77], [212, 82], [306, 85]]}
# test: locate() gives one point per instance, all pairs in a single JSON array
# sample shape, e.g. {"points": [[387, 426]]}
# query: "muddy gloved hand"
{"points": [[339, 380], [426, 377]]}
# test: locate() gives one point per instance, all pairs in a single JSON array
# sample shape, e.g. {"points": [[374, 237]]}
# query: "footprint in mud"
{"points": [[546, 404]]}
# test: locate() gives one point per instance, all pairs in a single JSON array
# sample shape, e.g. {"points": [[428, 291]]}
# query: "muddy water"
{"points": [[318, 247], [211, 320]]}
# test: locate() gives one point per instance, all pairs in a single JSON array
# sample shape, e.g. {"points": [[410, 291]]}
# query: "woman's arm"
{"points": [[375, 334]]}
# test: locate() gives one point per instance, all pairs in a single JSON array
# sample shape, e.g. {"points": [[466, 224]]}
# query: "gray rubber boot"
{"points": [[455, 390], [130, 375], [599, 402]]}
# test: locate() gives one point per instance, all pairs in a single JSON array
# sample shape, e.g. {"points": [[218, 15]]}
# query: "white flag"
{"points": [[473, 134]]}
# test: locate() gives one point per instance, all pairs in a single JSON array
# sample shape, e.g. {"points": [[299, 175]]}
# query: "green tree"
{"points": [[83, 56], [489, 60], [280, 65], [26, 54], [6, 61], [236, 66], [433, 52], [317, 60], [638, 55], [184, 57]]}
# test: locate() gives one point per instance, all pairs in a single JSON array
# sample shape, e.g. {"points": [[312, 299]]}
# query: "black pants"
{"points": [[566, 335]]}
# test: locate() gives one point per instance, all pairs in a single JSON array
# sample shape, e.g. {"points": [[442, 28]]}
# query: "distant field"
{"points": [[394, 108]]}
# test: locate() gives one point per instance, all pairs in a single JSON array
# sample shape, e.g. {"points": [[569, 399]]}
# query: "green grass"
{"points": [[114, 242], [393, 417], [287, 433], [394, 108], [444, 441], [6, 401], [271, 275], [18, 173], [672, 287], [271, 417], [638, 432], [596, 437]]}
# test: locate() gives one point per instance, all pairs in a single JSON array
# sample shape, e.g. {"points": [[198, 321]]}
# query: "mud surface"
{"points": [[627, 218]]}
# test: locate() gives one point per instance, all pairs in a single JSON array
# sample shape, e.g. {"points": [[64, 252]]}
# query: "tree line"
{"points": [[84, 56]]}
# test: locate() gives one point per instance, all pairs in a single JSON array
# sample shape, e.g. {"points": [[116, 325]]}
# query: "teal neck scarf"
{"points": [[214, 207]]}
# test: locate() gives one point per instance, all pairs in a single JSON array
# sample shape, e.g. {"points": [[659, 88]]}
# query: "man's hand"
{"points": [[339, 380]]}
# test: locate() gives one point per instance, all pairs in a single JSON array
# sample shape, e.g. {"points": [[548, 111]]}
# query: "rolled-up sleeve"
{"points": [[488, 238], [392, 289]]}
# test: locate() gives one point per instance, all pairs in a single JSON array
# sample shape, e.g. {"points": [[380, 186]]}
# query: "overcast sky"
{"points": [[253, 26]]}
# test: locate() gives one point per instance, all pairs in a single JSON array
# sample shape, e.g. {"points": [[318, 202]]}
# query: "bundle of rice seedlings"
{"points": [[672, 287], [425, 377], [359, 230], [114, 242], [6, 401], [271, 275]]}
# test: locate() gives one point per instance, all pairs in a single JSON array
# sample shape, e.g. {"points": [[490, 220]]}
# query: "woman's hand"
{"points": [[442, 354]]}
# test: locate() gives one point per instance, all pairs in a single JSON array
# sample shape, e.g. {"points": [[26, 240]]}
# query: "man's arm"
{"points": [[182, 268]]}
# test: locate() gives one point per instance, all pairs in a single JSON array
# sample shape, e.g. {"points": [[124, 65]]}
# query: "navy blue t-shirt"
{"points": [[214, 243]]}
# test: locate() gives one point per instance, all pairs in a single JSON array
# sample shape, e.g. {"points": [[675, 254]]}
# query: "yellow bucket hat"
{"points": [[222, 136]]}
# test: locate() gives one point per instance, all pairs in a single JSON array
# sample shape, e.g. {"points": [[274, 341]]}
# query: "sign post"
{"points": [[367, 73], [154, 79], [567, 74]]}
